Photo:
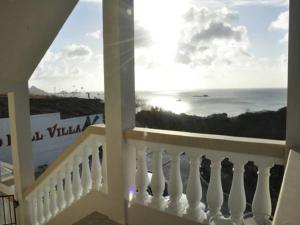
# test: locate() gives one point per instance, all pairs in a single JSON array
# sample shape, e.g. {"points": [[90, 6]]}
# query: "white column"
{"points": [[104, 186], [53, 196], [157, 181], [33, 209], [215, 191], [237, 196], [61, 202], [293, 110], [96, 170], [142, 179], [86, 177], [47, 211], [40, 206], [262, 205], [118, 31], [19, 122], [194, 190], [175, 184], [77, 188], [68, 185]]}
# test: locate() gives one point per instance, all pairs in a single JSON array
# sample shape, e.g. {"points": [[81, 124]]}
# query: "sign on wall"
{"points": [[50, 135]]}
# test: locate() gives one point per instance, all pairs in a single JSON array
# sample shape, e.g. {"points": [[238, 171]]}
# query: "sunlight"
{"points": [[175, 105], [164, 25]]}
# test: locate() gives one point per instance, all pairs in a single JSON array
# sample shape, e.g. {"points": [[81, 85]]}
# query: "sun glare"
{"points": [[163, 23], [175, 105]]}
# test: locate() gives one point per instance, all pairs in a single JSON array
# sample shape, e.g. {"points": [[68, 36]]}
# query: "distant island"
{"points": [[201, 96]]}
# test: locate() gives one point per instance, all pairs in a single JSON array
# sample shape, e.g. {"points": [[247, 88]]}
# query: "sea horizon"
{"points": [[205, 102], [233, 102]]}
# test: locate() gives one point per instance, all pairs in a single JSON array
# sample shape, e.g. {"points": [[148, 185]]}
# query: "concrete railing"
{"points": [[7, 178], [264, 153], [6, 169], [80, 170], [70, 177]]}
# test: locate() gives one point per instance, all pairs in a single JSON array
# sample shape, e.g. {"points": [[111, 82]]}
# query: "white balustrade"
{"points": [[194, 191], [47, 211], [75, 177], [68, 185], [262, 205], [40, 207], [104, 169], [96, 171], [33, 210], [60, 191], [157, 180], [53, 196], [215, 191], [175, 185], [237, 197], [82, 171], [141, 178], [77, 187], [187, 204], [86, 172]]}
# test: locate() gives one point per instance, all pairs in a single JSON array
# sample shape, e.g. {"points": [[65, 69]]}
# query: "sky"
{"points": [[179, 45]]}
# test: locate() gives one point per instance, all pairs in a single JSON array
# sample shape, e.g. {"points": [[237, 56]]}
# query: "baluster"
{"points": [[77, 188], [194, 191], [53, 196], [86, 173], [215, 191], [34, 210], [47, 211], [237, 196], [175, 184], [141, 178], [60, 192], [262, 205], [104, 168], [157, 181], [96, 171], [40, 207], [68, 185]]}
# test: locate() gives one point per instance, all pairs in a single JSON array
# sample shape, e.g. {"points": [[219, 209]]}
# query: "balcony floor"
{"points": [[96, 219]]}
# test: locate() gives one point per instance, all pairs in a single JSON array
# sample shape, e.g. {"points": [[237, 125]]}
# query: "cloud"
{"points": [[142, 36], [209, 38], [261, 2], [219, 30], [77, 51], [281, 24], [96, 34], [71, 62], [205, 15], [233, 3], [72, 66]]}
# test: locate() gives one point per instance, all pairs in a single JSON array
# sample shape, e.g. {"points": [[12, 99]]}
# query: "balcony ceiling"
{"points": [[27, 29]]}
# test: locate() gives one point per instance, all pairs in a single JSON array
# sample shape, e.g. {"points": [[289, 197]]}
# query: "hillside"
{"points": [[68, 107], [264, 124]]}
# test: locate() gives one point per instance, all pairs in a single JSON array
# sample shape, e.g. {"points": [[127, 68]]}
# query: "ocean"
{"points": [[207, 102]]}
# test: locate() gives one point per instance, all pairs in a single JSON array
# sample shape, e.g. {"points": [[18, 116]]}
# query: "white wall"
{"points": [[50, 140]]}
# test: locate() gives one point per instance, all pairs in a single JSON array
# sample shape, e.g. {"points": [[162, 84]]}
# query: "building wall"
{"points": [[50, 135]]}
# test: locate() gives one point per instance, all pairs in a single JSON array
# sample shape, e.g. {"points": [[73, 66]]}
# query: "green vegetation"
{"points": [[68, 107], [264, 124]]}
